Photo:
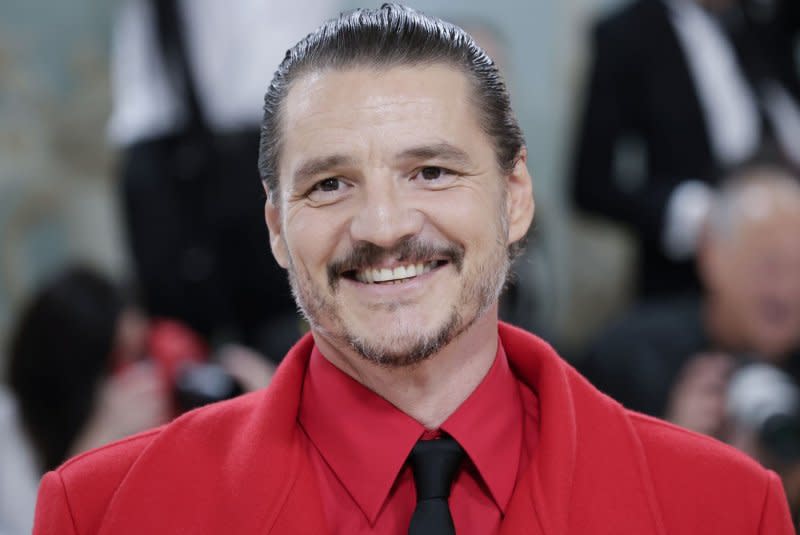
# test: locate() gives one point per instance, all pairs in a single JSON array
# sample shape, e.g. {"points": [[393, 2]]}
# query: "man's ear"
{"points": [[272, 214], [519, 198]]}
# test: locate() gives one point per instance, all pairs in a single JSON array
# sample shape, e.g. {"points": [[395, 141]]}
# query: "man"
{"points": [[679, 93], [397, 190], [672, 359], [686, 360]]}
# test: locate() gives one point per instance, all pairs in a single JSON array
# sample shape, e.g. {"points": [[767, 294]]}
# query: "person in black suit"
{"points": [[693, 90]]}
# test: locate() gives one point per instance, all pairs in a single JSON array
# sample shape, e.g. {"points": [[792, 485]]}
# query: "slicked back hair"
{"points": [[391, 36]]}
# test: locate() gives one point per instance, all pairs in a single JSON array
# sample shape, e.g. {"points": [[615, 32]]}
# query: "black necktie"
{"points": [[434, 463]]}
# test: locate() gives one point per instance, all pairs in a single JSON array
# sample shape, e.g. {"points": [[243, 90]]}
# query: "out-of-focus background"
{"points": [[664, 142]]}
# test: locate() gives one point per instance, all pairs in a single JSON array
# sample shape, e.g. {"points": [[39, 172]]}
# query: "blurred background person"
{"points": [[699, 362], [680, 92], [672, 358], [62, 396], [86, 367], [71, 339], [188, 79]]}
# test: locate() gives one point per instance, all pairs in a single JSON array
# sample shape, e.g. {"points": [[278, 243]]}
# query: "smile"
{"points": [[394, 275]]}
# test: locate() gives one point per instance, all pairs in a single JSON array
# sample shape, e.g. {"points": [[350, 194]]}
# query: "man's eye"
{"points": [[327, 190], [433, 174], [329, 184]]}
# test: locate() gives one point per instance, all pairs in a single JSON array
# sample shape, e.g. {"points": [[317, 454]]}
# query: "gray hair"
{"points": [[751, 194]]}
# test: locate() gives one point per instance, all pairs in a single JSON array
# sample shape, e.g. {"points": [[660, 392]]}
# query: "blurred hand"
{"points": [[697, 401], [126, 403], [251, 369]]}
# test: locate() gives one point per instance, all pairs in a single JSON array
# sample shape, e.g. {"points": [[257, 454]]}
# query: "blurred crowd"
{"points": [[687, 134]]}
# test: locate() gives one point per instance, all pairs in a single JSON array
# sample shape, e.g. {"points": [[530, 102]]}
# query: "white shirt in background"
{"points": [[730, 108], [234, 48]]}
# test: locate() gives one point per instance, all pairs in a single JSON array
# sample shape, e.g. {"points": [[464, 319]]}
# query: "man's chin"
{"points": [[404, 345]]}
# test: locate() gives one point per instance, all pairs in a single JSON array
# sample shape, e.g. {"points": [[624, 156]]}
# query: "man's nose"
{"points": [[385, 214]]}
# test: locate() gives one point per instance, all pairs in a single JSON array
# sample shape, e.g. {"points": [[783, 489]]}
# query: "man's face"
{"points": [[755, 273], [393, 217]]}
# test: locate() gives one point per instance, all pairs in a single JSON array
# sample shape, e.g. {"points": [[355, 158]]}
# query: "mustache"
{"points": [[409, 250]]}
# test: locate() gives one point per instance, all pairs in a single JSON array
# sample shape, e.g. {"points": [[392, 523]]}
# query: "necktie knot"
{"points": [[435, 464]]}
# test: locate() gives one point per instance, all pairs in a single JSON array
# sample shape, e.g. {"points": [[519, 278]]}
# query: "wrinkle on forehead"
{"points": [[350, 110], [394, 95]]}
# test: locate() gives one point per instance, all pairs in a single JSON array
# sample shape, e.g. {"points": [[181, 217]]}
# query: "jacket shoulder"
{"points": [[670, 444], [92, 479], [695, 476], [81, 491]]}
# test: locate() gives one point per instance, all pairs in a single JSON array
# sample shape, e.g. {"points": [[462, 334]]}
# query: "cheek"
{"points": [[733, 278], [469, 217], [312, 238]]}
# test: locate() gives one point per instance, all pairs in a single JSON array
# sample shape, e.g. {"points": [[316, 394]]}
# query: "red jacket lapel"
{"points": [[589, 474]]}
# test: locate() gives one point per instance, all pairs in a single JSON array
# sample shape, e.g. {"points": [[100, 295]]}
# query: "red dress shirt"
{"points": [[358, 444]]}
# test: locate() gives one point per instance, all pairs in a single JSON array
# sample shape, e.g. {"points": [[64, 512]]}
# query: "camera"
{"points": [[183, 359], [766, 401]]}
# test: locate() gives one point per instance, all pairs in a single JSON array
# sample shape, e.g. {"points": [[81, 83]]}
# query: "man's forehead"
{"points": [[375, 90], [391, 111]]}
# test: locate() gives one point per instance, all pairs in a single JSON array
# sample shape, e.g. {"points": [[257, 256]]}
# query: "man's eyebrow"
{"points": [[438, 151], [315, 166]]}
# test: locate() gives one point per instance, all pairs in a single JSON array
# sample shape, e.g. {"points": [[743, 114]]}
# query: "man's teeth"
{"points": [[398, 273]]}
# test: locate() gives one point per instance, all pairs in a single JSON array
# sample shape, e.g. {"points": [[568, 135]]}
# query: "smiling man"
{"points": [[394, 218], [397, 193]]}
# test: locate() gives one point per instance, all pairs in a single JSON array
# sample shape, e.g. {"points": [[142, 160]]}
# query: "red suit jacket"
{"points": [[237, 468]]}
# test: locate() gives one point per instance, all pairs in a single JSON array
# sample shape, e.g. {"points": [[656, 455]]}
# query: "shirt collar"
{"points": [[366, 440], [488, 425]]}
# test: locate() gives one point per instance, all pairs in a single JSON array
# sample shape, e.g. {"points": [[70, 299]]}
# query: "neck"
{"points": [[432, 390]]}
